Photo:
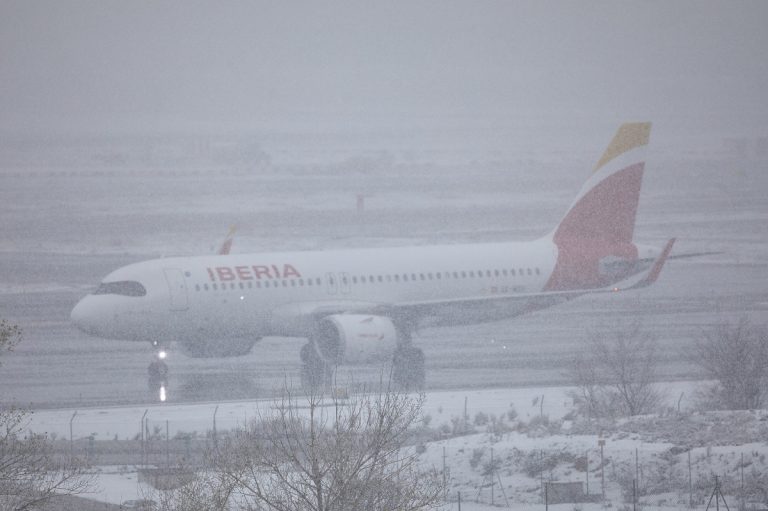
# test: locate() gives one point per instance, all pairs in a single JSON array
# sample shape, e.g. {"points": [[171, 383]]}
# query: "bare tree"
{"points": [[736, 357], [10, 335], [615, 372], [323, 453], [30, 473], [203, 490]]}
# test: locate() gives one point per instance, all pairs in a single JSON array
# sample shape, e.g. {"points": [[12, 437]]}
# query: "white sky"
{"points": [[107, 64]]}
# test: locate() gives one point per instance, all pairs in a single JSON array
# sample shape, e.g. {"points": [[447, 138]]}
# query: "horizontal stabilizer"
{"points": [[655, 270]]}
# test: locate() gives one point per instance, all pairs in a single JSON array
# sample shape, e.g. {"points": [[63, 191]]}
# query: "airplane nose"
{"points": [[81, 317]]}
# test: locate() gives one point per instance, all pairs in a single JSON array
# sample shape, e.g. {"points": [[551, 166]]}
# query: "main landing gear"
{"points": [[158, 372], [316, 373], [408, 371]]}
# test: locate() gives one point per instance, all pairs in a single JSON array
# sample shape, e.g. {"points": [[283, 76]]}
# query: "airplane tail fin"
{"points": [[594, 239], [605, 207]]}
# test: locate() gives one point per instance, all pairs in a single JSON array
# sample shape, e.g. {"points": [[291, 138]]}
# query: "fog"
{"points": [[152, 66], [131, 131]]}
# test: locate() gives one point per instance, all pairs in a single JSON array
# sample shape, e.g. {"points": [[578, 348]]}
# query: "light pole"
{"points": [[601, 443]]}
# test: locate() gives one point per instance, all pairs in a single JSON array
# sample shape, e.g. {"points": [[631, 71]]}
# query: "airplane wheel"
{"points": [[315, 372], [408, 370]]}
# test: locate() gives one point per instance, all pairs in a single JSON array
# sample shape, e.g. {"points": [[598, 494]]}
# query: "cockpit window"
{"points": [[124, 288]]}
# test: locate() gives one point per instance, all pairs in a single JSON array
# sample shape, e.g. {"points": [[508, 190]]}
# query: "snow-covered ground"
{"points": [[527, 431]]}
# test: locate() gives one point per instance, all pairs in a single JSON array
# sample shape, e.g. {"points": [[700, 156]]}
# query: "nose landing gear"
{"points": [[158, 373]]}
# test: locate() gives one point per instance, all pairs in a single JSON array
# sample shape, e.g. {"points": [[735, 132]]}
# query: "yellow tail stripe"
{"points": [[627, 137]]}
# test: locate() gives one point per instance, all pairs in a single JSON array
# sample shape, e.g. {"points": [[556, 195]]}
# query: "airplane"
{"points": [[361, 304]]}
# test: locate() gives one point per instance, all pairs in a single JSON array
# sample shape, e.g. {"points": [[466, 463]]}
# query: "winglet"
{"points": [[227, 245], [658, 264]]}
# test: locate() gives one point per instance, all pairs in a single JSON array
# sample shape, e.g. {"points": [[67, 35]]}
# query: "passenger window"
{"points": [[429, 276], [343, 280], [197, 287], [495, 273], [266, 283], [471, 274], [488, 273], [214, 286], [354, 280], [397, 278], [438, 275], [512, 272], [258, 284], [205, 287], [538, 272], [455, 275], [421, 276], [413, 276], [241, 286], [463, 275], [381, 279], [405, 277], [521, 272], [293, 283], [504, 272], [389, 278], [318, 281], [530, 272]]}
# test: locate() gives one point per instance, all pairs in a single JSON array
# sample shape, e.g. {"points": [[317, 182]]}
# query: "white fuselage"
{"points": [[253, 295]]}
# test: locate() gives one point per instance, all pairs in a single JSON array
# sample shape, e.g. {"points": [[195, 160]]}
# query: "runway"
{"points": [[64, 232]]}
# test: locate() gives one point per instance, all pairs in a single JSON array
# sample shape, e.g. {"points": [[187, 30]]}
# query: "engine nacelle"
{"points": [[354, 338]]}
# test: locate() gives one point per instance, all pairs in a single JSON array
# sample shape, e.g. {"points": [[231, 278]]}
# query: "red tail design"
{"points": [[594, 240]]}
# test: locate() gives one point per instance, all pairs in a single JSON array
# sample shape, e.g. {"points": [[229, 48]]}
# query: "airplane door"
{"points": [[344, 283], [330, 283], [177, 288]]}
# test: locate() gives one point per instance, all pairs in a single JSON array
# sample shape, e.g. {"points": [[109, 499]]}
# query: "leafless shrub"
{"points": [[30, 473], [10, 335], [314, 452], [615, 372], [204, 490], [736, 357]]}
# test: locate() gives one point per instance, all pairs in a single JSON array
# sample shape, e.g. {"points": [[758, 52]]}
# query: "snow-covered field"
{"points": [[526, 435]]}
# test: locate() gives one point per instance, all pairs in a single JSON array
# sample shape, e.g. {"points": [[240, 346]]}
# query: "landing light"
{"points": [[162, 393], [242, 298], [162, 354]]}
